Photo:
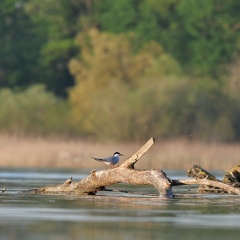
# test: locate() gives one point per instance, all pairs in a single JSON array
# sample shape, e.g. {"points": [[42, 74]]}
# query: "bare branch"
{"points": [[125, 173], [207, 182], [131, 161]]}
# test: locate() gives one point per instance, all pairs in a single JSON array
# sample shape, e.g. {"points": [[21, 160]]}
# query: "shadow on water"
{"points": [[111, 215]]}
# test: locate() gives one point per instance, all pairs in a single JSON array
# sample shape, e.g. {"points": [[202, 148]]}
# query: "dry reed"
{"points": [[62, 153]]}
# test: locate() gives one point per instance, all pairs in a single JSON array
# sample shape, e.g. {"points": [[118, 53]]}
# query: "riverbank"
{"points": [[63, 153]]}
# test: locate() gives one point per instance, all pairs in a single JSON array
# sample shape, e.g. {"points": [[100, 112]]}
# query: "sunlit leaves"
{"points": [[121, 94], [115, 93]]}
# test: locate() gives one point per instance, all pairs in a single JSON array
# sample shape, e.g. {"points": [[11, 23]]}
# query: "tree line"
{"points": [[126, 69]]}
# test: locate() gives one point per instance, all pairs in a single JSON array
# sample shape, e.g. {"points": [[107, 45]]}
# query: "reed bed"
{"points": [[71, 153]]}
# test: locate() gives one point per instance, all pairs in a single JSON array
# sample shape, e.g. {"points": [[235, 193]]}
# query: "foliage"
{"points": [[37, 36], [121, 95], [202, 35], [18, 58], [200, 110], [209, 34], [134, 68], [57, 48], [37, 42], [33, 111], [112, 85]]}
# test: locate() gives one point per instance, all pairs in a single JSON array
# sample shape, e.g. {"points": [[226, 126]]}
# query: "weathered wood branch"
{"points": [[131, 161], [126, 173], [99, 179], [210, 184], [207, 182]]}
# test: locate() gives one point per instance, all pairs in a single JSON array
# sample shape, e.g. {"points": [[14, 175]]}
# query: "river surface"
{"points": [[111, 215]]}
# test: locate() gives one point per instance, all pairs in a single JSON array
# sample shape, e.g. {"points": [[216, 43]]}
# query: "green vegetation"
{"points": [[124, 70], [33, 111]]}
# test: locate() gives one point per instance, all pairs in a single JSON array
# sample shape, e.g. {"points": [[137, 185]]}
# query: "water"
{"points": [[111, 215]]}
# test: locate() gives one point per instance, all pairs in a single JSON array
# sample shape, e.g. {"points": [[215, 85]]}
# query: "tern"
{"points": [[114, 159]]}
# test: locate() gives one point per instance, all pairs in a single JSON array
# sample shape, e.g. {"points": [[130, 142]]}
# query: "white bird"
{"points": [[114, 159]]}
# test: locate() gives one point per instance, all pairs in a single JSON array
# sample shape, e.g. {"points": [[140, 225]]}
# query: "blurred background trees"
{"points": [[120, 70]]}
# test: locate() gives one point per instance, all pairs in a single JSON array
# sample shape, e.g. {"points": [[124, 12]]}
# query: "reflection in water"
{"points": [[121, 216]]}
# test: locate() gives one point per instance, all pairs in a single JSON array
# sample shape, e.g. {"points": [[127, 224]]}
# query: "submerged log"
{"points": [[229, 184], [126, 173]]}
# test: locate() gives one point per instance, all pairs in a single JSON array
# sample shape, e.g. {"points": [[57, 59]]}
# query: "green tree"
{"points": [[114, 95], [117, 16], [37, 41], [20, 45], [126, 16], [202, 35], [210, 34], [54, 21]]}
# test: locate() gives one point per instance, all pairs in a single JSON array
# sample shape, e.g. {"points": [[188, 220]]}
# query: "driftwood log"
{"points": [[126, 173], [231, 178]]}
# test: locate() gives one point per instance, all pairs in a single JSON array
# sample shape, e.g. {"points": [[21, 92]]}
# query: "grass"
{"points": [[69, 153]]}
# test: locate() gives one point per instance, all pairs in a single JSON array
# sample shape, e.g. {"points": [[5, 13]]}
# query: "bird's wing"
{"points": [[102, 159]]}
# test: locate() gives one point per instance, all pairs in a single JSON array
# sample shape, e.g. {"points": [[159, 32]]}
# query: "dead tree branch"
{"points": [[216, 184], [210, 184], [126, 173]]}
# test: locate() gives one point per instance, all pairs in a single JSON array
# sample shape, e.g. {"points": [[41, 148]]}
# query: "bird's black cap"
{"points": [[117, 153]]}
